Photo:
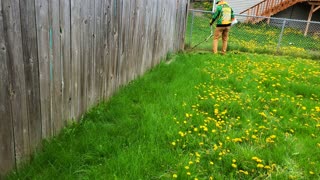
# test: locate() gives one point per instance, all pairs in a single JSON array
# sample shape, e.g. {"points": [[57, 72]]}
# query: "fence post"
{"points": [[281, 34], [191, 27]]}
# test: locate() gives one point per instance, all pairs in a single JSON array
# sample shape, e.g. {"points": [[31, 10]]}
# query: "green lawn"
{"points": [[255, 38], [197, 116]]}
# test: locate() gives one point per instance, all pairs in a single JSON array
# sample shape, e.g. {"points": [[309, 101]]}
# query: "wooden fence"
{"points": [[60, 57]]}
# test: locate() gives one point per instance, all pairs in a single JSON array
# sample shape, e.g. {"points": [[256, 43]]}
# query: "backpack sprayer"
{"points": [[205, 40]]}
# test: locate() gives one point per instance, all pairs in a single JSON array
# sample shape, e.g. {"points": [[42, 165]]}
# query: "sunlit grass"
{"points": [[254, 38], [201, 116], [256, 117]]}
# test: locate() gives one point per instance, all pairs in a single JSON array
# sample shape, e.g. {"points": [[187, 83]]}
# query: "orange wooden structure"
{"points": [[267, 8]]}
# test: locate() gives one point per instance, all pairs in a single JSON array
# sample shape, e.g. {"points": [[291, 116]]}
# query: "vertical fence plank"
{"points": [[154, 26], [129, 50], [90, 54], [7, 160], [123, 20], [151, 34], [31, 66], [104, 47], [99, 72], [11, 12], [183, 25], [75, 55], [109, 44], [65, 25], [85, 64], [42, 18], [56, 95], [117, 7], [136, 39], [142, 34], [146, 48]]}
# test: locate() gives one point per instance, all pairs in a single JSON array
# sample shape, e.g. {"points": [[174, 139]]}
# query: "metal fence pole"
{"points": [[191, 27], [281, 34]]}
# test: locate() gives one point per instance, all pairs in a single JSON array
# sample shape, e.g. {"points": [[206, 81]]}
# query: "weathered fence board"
{"points": [[31, 68], [18, 96], [75, 57], [61, 57], [7, 156], [98, 53], [42, 18], [55, 62], [65, 30], [106, 47]]}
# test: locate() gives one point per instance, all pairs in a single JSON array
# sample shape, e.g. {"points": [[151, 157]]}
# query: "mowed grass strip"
{"points": [[201, 116]]}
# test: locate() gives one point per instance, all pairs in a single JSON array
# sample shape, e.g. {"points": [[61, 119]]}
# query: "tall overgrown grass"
{"points": [[197, 116]]}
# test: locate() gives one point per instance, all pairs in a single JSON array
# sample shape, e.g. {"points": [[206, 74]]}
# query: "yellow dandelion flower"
{"points": [[260, 166], [195, 129], [256, 159], [173, 143], [224, 112], [269, 140], [254, 137], [267, 167], [175, 176], [237, 140], [311, 172], [190, 162], [197, 154], [244, 172], [234, 165], [186, 167], [263, 114], [211, 163], [273, 136], [188, 173]]}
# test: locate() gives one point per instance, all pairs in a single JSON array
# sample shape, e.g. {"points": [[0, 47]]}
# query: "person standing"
{"points": [[224, 17]]}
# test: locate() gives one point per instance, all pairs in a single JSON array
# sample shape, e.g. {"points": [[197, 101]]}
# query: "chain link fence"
{"points": [[258, 34]]}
